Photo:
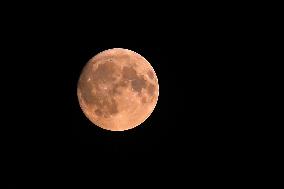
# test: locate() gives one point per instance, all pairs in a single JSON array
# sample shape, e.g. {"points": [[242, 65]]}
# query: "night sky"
{"points": [[46, 129]]}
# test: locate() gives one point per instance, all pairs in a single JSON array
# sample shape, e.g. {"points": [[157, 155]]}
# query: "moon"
{"points": [[118, 89]]}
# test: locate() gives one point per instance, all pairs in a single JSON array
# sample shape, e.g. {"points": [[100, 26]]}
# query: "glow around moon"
{"points": [[118, 89]]}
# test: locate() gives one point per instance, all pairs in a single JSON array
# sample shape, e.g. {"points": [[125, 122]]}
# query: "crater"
{"points": [[86, 91], [138, 84], [151, 89], [98, 112], [117, 87], [144, 100], [129, 73], [112, 107], [105, 72], [150, 74], [105, 105]]}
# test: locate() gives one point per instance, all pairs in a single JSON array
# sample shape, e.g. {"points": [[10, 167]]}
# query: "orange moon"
{"points": [[118, 89]]}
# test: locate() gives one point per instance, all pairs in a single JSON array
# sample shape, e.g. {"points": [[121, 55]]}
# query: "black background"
{"points": [[48, 133]]}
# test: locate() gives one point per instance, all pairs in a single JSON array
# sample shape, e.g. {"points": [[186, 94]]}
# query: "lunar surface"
{"points": [[118, 89]]}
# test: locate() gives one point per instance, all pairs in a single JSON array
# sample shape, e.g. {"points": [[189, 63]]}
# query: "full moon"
{"points": [[118, 89]]}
